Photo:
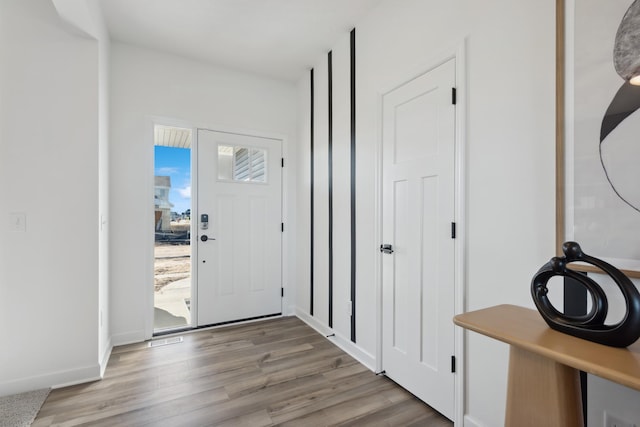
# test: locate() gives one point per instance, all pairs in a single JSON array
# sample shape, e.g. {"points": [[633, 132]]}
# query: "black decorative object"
{"points": [[590, 326]]}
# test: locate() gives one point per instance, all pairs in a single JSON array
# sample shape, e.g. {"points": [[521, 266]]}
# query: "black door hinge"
{"points": [[453, 364], [282, 227], [454, 97], [282, 292], [282, 161], [453, 230]]}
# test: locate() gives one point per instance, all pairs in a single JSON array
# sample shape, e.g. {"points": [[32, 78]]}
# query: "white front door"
{"points": [[418, 210], [239, 220]]}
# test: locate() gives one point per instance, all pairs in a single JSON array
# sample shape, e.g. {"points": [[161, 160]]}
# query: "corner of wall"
{"points": [[125, 338], [471, 422], [104, 359], [342, 342]]}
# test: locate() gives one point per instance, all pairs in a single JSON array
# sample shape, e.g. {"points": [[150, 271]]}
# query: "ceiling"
{"points": [[169, 136], [277, 38]]}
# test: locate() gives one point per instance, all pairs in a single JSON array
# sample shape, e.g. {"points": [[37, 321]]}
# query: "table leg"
{"points": [[542, 392]]}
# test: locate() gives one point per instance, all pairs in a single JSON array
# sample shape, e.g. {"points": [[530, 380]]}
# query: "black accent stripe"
{"points": [[575, 304], [353, 184], [311, 197], [330, 156]]}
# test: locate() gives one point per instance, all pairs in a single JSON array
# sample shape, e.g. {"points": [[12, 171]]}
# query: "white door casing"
{"points": [[418, 208], [239, 265]]}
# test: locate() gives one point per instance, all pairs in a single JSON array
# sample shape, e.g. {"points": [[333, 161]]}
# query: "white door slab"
{"points": [[239, 266], [418, 211]]}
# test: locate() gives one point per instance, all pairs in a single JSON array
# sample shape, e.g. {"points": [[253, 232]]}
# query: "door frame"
{"points": [[458, 53], [150, 121]]}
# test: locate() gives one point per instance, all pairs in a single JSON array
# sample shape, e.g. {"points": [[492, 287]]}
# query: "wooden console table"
{"points": [[543, 384]]}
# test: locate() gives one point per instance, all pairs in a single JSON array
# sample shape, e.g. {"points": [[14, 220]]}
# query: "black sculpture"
{"points": [[590, 326]]}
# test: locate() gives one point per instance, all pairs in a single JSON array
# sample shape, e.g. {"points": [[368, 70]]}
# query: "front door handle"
{"points": [[386, 248], [204, 238]]}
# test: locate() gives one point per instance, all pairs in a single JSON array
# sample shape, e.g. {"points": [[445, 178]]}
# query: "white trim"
{"points": [[104, 360], [378, 233], [194, 226], [320, 327], [460, 303], [457, 52], [471, 422], [150, 122], [355, 351], [285, 198], [286, 300], [53, 379], [149, 227], [340, 341]]}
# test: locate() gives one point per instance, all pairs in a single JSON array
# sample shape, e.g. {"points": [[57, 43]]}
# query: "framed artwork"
{"points": [[598, 129]]}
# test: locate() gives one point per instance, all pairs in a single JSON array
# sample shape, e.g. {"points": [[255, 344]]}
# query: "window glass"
{"points": [[242, 164]]}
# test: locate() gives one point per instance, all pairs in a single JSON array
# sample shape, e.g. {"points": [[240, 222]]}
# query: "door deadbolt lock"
{"points": [[204, 222]]}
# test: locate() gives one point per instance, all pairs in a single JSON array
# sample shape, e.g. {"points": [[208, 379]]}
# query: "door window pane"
{"points": [[242, 164]]}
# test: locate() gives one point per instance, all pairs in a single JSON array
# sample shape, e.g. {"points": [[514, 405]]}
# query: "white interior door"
{"points": [[418, 210], [239, 227]]}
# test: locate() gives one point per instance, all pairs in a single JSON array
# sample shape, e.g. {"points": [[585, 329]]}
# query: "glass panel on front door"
{"points": [[242, 164]]}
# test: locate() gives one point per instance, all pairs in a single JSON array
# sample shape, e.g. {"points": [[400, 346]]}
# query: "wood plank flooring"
{"points": [[274, 372]]}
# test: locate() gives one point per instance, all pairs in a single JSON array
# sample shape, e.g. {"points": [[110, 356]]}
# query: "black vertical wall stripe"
{"points": [[353, 182], [330, 155], [575, 304], [311, 124]]}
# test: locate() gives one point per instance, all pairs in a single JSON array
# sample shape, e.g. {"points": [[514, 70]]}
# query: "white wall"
{"points": [[606, 397], [49, 169], [510, 158], [147, 84]]}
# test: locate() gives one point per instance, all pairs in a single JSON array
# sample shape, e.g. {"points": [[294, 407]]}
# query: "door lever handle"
{"points": [[386, 248]]}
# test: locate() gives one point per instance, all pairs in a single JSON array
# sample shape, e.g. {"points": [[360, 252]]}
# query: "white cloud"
{"points": [[166, 171], [185, 192]]}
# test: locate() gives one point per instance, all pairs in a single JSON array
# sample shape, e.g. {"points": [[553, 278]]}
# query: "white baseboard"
{"points": [[471, 422], [355, 351], [104, 360], [342, 342], [51, 380], [320, 327], [127, 338]]}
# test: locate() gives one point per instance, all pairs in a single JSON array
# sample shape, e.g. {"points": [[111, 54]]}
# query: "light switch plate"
{"points": [[18, 222]]}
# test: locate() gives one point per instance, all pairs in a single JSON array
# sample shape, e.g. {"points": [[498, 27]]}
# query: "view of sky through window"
{"points": [[176, 164]]}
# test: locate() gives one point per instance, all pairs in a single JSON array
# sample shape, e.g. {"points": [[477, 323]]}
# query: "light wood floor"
{"points": [[275, 372]]}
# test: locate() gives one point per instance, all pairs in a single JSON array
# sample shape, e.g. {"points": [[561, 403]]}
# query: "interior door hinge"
{"points": [[453, 230], [282, 161], [454, 97], [282, 227], [453, 364], [282, 292]]}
